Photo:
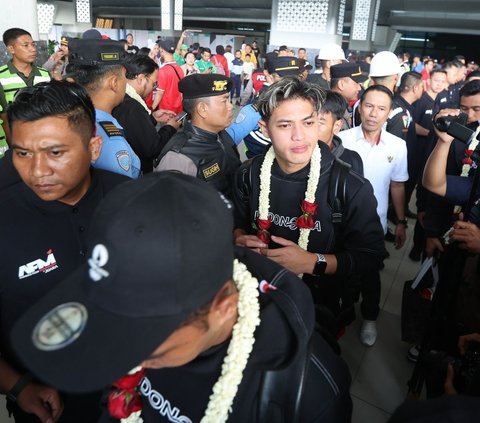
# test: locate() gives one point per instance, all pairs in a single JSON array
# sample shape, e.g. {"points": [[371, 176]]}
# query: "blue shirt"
{"points": [[246, 121], [458, 189], [116, 154]]}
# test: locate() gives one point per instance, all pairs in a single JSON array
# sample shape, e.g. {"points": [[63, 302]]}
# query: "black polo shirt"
{"points": [[423, 111], [41, 242]]}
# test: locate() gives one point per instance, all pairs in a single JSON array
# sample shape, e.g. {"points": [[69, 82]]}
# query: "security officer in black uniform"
{"points": [[204, 149]]}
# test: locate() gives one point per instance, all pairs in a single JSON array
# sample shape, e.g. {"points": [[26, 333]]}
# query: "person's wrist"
{"points": [[403, 222], [19, 386]]}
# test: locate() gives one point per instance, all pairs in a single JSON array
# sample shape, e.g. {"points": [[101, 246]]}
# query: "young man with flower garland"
{"points": [[281, 199], [209, 336]]}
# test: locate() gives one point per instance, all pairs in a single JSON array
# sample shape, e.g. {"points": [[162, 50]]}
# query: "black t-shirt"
{"points": [[132, 49], [41, 242], [400, 118]]}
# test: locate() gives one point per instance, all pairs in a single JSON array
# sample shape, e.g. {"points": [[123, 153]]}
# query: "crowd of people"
{"points": [[148, 274]]}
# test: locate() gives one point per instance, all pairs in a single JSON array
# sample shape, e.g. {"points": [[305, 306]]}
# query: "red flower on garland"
{"points": [[125, 400], [305, 221], [467, 161], [262, 232]]}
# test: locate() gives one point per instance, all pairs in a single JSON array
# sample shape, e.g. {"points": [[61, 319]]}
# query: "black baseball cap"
{"points": [[205, 85], [95, 52], [160, 247], [284, 65], [350, 70], [167, 45]]}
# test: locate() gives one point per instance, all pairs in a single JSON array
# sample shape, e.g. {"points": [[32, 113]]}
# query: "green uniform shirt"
{"points": [[203, 66], [12, 79], [179, 59]]}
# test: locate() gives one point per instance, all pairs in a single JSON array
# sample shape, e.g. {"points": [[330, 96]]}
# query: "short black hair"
{"points": [[91, 76], [138, 64], [434, 71], [55, 99], [379, 88], [144, 51], [409, 80], [220, 50], [471, 88], [11, 35], [453, 63], [334, 104]]}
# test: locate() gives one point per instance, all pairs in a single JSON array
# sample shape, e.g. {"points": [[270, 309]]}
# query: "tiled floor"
{"points": [[380, 373]]}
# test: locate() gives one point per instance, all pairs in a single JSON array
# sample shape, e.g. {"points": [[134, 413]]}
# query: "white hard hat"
{"points": [[331, 52], [384, 63]]}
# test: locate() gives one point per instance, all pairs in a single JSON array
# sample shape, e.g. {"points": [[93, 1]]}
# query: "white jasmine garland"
{"points": [[241, 345], [312, 184], [239, 349]]}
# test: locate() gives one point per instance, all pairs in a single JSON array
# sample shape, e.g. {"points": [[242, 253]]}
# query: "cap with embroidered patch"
{"points": [[204, 85], [159, 248], [95, 52], [350, 70], [284, 65]]}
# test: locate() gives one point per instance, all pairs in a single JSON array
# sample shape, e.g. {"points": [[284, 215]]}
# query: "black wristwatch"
{"points": [[18, 387], [402, 222], [320, 266]]}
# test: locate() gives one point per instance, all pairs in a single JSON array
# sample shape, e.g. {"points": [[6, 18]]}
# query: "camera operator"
{"points": [[438, 212]]}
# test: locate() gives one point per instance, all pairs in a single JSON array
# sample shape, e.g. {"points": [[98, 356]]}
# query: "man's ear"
{"points": [[202, 109], [264, 128], [95, 147], [11, 49], [225, 305], [337, 126]]}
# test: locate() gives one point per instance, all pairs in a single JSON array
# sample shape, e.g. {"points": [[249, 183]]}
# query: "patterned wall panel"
{"points": [[302, 15], [361, 16]]}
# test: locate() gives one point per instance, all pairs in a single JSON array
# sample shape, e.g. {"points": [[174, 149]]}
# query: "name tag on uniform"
{"points": [[212, 170], [111, 129]]}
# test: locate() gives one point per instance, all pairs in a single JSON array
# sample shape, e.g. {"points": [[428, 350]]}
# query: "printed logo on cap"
{"points": [[60, 326], [97, 261], [219, 85]]}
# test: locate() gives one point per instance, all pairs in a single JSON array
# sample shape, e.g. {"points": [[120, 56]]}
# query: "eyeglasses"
{"points": [[154, 84]]}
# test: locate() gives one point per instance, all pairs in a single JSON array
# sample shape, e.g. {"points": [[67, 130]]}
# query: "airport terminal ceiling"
{"points": [[449, 16]]}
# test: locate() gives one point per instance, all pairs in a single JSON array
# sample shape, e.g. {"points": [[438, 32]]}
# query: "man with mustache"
{"points": [[203, 148]]}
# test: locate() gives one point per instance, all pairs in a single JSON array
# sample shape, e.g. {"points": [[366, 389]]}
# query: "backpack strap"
{"points": [[336, 196], [282, 390]]}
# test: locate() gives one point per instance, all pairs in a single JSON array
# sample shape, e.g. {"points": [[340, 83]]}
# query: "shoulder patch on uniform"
{"points": [[240, 117], [395, 112], [111, 129], [405, 121], [123, 159], [211, 170]]}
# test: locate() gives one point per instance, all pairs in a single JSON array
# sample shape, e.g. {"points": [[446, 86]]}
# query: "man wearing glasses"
{"points": [[20, 71], [137, 119]]}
